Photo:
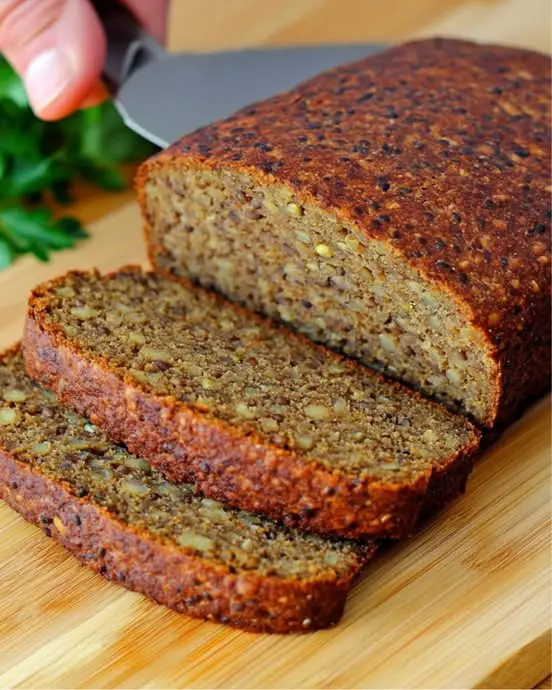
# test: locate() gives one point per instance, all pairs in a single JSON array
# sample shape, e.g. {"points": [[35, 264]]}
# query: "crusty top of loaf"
{"points": [[441, 148]]}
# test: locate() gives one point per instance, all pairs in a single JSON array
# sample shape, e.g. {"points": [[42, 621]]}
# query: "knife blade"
{"points": [[163, 96]]}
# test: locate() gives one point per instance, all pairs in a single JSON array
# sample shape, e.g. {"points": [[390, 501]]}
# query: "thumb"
{"points": [[57, 47]]}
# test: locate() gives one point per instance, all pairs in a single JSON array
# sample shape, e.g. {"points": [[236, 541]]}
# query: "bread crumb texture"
{"points": [[396, 209]]}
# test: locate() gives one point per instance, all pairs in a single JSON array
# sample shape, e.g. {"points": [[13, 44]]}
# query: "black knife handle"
{"points": [[129, 45]]}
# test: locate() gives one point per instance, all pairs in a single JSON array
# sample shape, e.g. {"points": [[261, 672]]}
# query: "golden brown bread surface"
{"points": [[253, 414], [420, 175], [123, 520]]}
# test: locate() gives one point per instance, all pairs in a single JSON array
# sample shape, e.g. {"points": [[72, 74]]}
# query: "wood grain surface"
{"points": [[465, 603]]}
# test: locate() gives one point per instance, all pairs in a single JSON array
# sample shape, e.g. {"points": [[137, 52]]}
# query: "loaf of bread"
{"points": [[396, 209], [123, 520], [254, 414]]}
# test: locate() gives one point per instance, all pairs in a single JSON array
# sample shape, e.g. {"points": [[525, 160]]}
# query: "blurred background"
{"points": [[210, 24]]}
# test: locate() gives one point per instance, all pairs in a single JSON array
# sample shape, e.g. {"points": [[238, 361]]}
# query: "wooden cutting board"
{"points": [[464, 604]]}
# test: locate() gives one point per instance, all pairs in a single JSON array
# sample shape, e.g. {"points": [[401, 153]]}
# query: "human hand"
{"points": [[58, 48]]}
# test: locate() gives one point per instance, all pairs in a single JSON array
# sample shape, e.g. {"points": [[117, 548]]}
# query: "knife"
{"points": [[163, 96]]}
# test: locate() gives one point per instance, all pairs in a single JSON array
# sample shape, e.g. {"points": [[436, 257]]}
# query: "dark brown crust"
{"points": [[182, 581], [170, 575], [243, 470], [458, 135]]}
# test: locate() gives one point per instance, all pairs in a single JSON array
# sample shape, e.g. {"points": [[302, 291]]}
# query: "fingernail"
{"points": [[46, 77]]}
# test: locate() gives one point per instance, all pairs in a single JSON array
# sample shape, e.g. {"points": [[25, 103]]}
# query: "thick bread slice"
{"points": [[254, 414], [396, 209], [123, 520]]}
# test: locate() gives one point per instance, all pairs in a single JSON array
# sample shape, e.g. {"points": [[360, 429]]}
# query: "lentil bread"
{"points": [[255, 415], [396, 209], [123, 520]]}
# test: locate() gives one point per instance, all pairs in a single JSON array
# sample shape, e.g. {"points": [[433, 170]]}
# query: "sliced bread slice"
{"points": [[255, 415], [123, 520]]}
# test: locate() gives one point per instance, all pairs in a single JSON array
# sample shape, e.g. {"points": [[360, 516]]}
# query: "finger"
{"points": [[97, 94], [152, 14], [58, 48]]}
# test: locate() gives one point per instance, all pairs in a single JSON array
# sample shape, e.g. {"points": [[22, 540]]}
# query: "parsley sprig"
{"points": [[40, 160]]}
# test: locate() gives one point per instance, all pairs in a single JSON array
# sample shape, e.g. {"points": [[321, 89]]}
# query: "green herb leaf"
{"points": [[61, 192], [7, 253], [36, 232], [11, 87], [103, 176], [72, 227], [28, 177], [38, 157], [103, 140]]}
